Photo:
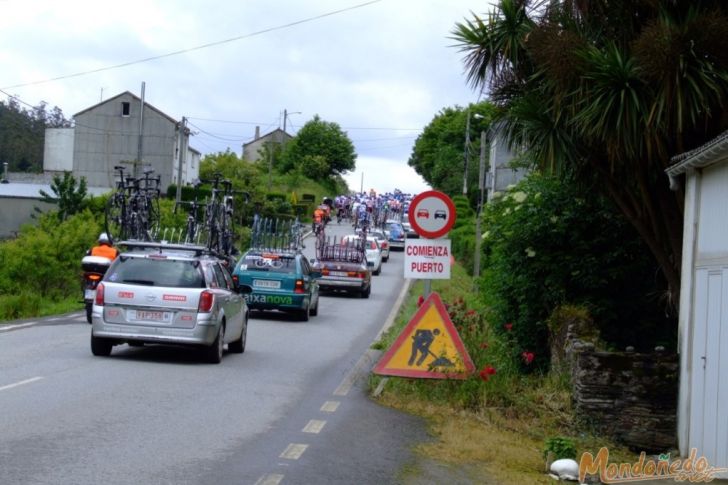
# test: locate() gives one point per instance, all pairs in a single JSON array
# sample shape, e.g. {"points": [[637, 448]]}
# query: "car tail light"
{"points": [[206, 300], [362, 274], [94, 277], [325, 272], [100, 295], [385, 244], [352, 274], [236, 280], [299, 287]]}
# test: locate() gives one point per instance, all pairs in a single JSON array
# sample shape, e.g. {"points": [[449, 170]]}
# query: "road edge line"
{"points": [[395, 308]]}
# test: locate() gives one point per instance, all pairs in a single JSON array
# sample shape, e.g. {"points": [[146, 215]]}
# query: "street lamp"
{"points": [[481, 187], [285, 117], [466, 154]]}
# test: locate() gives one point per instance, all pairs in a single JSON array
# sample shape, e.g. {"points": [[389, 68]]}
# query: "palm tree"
{"points": [[608, 91]]}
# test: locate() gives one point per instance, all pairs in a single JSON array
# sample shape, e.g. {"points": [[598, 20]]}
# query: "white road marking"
{"points": [[380, 387], [330, 406], [270, 479], [55, 319], [294, 451], [364, 362], [314, 426], [13, 327], [395, 308], [26, 381]]}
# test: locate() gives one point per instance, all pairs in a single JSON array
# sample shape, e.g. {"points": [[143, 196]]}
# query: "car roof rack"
{"points": [[197, 250], [342, 250], [273, 235]]}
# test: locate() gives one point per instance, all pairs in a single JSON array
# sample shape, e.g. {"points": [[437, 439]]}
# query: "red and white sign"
{"points": [[432, 214], [427, 259]]}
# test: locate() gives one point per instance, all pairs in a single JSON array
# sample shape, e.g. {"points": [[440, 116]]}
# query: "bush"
{"points": [[46, 259], [559, 447], [546, 244], [188, 192]]}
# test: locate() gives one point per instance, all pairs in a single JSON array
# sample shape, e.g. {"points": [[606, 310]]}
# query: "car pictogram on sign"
{"points": [[440, 215], [423, 213]]}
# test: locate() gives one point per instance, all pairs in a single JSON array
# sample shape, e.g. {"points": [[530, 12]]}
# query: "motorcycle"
{"points": [[94, 269]]}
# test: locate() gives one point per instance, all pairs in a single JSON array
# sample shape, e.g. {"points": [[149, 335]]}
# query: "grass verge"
{"points": [[28, 305]]}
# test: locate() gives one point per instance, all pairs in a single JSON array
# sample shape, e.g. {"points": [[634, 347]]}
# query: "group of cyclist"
{"points": [[365, 209]]}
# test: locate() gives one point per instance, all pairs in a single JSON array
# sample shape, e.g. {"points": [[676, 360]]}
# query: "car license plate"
{"points": [[267, 284], [89, 294], [338, 273], [149, 316]]}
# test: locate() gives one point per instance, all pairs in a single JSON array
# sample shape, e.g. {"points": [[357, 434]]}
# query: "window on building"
{"points": [[125, 108]]}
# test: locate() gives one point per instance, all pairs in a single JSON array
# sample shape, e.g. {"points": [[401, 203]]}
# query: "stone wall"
{"points": [[629, 396]]}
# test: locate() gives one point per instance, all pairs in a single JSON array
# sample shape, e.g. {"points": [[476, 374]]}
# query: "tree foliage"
{"points": [[22, 134], [608, 92], [321, 150], [69, 198], [438, 154]]}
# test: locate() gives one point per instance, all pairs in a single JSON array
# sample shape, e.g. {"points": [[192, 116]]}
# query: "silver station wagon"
{"points": [[168, 294]]}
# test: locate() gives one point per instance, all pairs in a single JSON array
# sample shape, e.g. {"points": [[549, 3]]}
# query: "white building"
{"points": [[703, 319]]}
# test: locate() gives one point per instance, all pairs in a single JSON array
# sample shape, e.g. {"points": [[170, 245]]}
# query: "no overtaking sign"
{"points": [[432, 214]]}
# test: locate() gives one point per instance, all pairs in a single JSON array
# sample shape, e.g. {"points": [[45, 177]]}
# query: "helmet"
{"points": [[104, 238]]}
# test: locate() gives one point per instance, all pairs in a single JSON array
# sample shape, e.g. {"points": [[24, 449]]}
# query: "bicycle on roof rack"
{"points": [[276, 235], [218, 221], [132, 212], [192, 233]]}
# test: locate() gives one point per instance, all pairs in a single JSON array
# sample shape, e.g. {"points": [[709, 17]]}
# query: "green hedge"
{"points": [[548, 243], [188, 192]]}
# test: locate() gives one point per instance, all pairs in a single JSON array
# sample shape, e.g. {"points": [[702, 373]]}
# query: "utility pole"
{"points": [[181, 156], [285, 117], [140, 146], [270, 163], [481, 186]]}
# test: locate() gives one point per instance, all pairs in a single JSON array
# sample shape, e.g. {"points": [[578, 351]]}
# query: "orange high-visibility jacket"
{"points": [[105, 251]]}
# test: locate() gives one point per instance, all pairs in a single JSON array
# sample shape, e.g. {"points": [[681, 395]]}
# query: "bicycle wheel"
{"points": [[152, 218], [228, 235], [114, 218]]}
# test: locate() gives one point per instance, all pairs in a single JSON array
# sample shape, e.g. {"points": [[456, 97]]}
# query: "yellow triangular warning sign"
{"points": [[428, 347]]}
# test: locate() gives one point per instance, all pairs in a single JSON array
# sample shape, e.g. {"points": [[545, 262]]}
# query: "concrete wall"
{"points": [[18, 211], [104, 138], [58, 150]]}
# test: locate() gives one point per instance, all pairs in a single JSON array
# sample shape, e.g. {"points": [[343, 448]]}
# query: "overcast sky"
{"points": [[381, 70]]}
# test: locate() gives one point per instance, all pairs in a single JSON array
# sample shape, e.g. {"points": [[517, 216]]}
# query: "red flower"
{"points": [[508, 326], [527, 357], [486, 372], [420, 301], [472, 312], [484, 345]]}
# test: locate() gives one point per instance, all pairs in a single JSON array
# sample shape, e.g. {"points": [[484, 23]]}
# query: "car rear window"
{"points": [[272, 263], [157, 272]]}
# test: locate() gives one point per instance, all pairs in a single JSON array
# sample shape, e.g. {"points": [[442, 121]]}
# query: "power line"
{"points": [[191, 49]]}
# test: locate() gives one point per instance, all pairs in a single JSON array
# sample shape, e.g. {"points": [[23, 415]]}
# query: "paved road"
{"points": [[288, 410]]}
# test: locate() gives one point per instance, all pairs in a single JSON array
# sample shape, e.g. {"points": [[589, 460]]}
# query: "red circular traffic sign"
{"points": [[431, 214]]}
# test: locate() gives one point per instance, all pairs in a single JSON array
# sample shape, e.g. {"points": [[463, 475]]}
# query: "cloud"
{"points": [[385, 175], [388, 67]]}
